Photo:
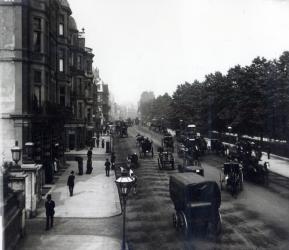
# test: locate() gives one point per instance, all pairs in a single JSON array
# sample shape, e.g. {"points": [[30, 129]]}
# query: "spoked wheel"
{"points": [[159, 164], [175, 221], [183, 224]]}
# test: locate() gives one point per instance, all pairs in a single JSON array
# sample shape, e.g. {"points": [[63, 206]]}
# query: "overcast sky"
{"points": [[157, 44]]}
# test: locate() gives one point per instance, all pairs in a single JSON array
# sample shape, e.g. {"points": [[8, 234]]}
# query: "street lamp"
{"points": [[124, 184], [16, 153]]}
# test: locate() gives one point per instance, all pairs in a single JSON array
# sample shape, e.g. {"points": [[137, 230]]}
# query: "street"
{"points": [[256, 219]]}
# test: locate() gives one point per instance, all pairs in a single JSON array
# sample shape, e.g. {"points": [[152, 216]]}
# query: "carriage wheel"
{"points": [[175, 221], [183, 223], [159, 164]]}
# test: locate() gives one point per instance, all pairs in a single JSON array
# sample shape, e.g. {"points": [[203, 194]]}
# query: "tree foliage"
{"points": [[253, 100]]}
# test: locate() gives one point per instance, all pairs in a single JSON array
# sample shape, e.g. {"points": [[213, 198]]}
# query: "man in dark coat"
{"points": [[49, 206], [89, 161], [107, 167], [70, 182]]}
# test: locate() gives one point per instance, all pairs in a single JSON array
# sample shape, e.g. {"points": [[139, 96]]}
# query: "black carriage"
{"points": [[232, 177], [168, 143], [146, 148], [139, 139], [133, 158], [123, 131], [197, 202], [217, 147], [256, 170], [165, 159]]}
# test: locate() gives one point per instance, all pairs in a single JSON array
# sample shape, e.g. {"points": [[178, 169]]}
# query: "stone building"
{"points": [[46, 80]]}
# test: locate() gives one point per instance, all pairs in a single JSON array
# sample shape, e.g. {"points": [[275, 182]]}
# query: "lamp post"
{"points": [[124, 184], [16, 153]]}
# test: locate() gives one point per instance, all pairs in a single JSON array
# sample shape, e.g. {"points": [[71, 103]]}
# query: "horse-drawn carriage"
{"points": [[253, 167], [133, 160], [197, 202], [146, 148], [168, 143], [232, 177], [256, 170], [121, 128], [165, 159]]}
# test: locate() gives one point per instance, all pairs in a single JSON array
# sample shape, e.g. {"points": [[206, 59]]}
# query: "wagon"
{"points": [[197, 202], [232, 177], [165, 160], [168, 143], [146, 148]]}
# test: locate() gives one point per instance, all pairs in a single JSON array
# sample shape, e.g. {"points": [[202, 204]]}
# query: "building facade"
{"points": [[46, 80]]}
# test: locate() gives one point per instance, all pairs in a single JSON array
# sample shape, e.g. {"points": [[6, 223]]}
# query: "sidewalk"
{"points": [[278, 164], [95, 195]]}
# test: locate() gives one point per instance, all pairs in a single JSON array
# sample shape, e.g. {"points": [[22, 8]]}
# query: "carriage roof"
{"points": [[191, 187]]}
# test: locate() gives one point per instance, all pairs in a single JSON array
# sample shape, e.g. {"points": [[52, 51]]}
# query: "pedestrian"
{"points": [[268, 151], [97, 142], [70, 182], [112, 160], [89, 161], [49, 207], [107, 167], [102, 142]]}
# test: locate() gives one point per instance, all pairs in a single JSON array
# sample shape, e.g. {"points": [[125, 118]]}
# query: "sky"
{"points": [[155, 45]]}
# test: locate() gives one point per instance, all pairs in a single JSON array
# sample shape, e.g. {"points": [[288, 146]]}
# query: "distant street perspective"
{"points": [[144, 125]]}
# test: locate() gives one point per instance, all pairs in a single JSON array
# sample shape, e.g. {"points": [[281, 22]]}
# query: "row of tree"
{"points": [[253, 100]]}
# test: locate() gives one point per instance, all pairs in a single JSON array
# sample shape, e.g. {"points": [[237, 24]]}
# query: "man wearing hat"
{"points": [[49, 207], [70, 182]]}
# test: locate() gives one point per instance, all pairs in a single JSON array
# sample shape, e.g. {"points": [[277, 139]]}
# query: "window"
{"points": [[37, 98], [37, 34], [79, 110], [61, 25], [89, 66], [78, 62], [62, 96], [37, 76], [61, 60]]}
